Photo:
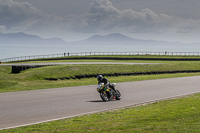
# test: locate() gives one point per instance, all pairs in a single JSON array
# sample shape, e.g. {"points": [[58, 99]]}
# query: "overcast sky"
{"points": [[170, 20]]}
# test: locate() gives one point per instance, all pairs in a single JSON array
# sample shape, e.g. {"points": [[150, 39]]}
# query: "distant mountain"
{"points": [[23, 38], [110, 37], [119, 39]]}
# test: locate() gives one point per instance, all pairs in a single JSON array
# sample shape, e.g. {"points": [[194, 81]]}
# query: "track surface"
{"points": [[31, 107]]}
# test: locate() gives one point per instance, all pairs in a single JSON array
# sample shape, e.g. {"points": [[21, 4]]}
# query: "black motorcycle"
{"points": [[110, 93]]}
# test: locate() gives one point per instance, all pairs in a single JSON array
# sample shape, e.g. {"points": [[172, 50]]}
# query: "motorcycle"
{"points": [[110, 93]]}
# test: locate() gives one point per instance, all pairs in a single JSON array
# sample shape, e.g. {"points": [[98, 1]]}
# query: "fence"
{"points": [[100, 53]]}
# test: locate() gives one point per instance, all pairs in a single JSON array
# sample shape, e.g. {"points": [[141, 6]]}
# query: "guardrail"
{"points": [[99, 53]]}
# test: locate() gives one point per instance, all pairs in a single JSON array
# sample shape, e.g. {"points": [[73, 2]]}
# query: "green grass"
{"points": [[92, 60], [35, 78], [72, 70], [179, 116]]}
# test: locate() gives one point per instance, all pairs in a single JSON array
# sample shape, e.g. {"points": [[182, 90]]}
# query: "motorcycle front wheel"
{"points": [[104, 96]]}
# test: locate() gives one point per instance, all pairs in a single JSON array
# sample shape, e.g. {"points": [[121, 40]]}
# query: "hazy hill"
{"points": [[22, 38], [119, 39], [111, 39]]}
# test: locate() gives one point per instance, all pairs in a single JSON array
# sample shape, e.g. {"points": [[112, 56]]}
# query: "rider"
{"points": [[106, 82]]}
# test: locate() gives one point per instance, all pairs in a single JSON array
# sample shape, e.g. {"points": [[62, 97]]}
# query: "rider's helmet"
{"points": [[99, 77]]}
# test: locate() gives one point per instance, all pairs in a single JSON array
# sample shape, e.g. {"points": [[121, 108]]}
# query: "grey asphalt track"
{"points": [[31, 107]]}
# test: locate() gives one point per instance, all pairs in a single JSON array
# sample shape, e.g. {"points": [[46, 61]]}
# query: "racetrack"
{"points": [[31, 107]]}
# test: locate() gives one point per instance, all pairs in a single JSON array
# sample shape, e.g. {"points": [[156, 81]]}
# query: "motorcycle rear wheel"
{"points": [[118, 97]]}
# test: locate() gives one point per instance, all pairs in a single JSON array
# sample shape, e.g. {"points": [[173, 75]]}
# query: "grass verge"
{"points": [[179, 115]]}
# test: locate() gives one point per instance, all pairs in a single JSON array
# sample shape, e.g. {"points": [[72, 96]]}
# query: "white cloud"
{"points": [[22, 16], [104, 17], [16, 15]]}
